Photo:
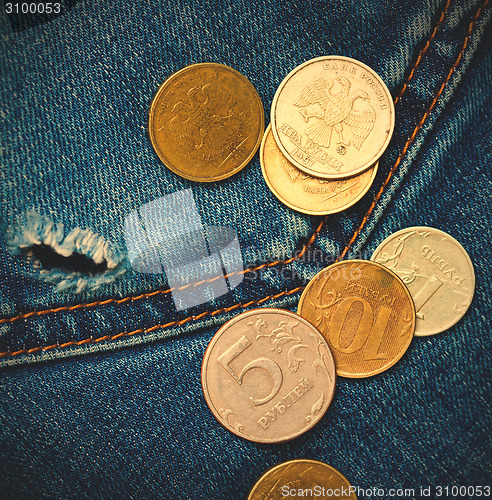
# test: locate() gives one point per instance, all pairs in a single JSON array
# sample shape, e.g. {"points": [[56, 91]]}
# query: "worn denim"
{"points": [[100, 391]]}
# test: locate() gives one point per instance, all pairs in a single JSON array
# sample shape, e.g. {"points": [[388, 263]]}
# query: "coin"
{"points": [[302, 478], [437, 271], [268, 375], [365, 313], [332, 117], [206, 122], [305, 193]]}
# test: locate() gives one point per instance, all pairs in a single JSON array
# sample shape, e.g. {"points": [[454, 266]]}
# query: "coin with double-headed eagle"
{"points": [[206, 122], [332, 117]]}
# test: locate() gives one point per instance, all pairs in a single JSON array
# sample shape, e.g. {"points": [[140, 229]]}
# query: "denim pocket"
{"points": [[77, 140]]}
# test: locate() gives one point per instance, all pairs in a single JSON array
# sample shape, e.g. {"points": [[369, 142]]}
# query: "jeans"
{"points": [[100, 389]]}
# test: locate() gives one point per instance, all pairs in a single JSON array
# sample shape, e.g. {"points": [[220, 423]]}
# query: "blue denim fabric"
{"points": [[100, 395]]}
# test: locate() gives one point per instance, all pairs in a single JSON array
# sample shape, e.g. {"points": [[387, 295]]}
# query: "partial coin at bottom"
{"points": [[302, 479], [437, 271], [305, 193], [365, 313], [268, 375]]}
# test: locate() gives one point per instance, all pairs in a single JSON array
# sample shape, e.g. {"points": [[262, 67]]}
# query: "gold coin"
{"points": [[268, 375], [305, 193], [437, 271], [206, 122], [332, 117], [365, 313], [302, 479]]}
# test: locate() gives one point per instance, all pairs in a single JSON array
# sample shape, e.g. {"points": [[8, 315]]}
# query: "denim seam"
{"points": [[295, 257], [423, 52], [416, 130], [151, 329]]}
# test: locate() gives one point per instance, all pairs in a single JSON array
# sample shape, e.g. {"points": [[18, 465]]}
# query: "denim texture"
{"points": [[100, 391]]}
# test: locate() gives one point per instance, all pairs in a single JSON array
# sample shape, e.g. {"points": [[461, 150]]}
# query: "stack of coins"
{"points": [[268, 375], [420, 281], [331, 119]]}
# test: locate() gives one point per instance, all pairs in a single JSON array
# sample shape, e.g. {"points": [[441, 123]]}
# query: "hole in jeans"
{"points": [[78, 261], [49, 259]]}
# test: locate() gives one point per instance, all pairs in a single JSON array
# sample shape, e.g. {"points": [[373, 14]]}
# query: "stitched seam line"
{"points": [[155, 327], [415, 132], [423, 51], [272, 264], [295, 257], [169, 290]]}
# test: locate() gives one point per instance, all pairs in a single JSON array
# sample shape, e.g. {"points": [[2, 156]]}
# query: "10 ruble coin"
{"points": [[364, 311]]}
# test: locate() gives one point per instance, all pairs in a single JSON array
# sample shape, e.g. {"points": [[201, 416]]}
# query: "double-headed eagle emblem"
{"points": [[205, 113], [325, 112]]}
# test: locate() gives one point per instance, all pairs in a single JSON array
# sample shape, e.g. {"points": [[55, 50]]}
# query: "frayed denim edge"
{"points": [[41, 230]]}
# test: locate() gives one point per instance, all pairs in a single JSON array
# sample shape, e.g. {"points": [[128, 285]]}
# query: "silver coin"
{"points": [[437, 271], [268, 375], [332, 117]]}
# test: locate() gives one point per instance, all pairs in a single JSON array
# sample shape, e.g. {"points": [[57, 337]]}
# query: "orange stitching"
{"points": [[163, 292], [414, 134], [152, 328], [304, 249], [423, 51]]}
